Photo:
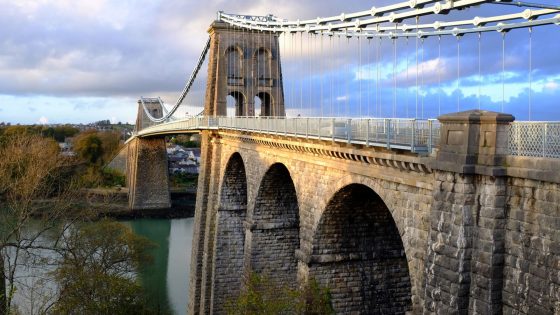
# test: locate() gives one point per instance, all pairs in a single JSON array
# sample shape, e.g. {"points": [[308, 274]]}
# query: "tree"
{"points": [[88, 146], [98, 270], [110, 144], [96, 263], [60, 133], [31, 173]]}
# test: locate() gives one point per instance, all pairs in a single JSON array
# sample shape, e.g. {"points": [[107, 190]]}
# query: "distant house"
{"points": [[66, 148], [183, 160]]}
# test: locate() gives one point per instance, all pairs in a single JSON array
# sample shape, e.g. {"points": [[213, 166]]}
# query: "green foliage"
{"points": [[110, 145], [261, 296], [97, 149], [91, 177], [112, 178], [317, 299], [58, 133], [183, 180], [185, 141], [97, 273], [88, 147]]}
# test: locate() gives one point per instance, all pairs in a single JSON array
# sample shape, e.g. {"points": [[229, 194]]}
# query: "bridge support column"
{"points": [[464, 266], [202, 257], [148, 178]]}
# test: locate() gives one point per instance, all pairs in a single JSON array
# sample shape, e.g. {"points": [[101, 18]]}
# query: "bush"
{"points": [[261, 296], [88, 147], [183, 180], [112, 178]]}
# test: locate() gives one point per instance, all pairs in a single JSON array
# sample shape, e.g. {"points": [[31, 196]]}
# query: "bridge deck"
{"points": [[537, 139], [414, 135]]}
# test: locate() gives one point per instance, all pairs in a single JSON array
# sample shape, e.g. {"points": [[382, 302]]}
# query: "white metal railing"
{"points": [[416, 135], [537, 139]]}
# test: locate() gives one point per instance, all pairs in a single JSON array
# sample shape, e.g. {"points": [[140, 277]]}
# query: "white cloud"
{"points": [[342, 98], [43, 120], [551, 85], [90, 60]]}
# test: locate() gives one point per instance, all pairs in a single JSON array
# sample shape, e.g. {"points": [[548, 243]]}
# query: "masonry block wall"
{"points": [[243, 79], [147, 178], [494, 240], [531, 272], [272, 229], [358, 245], [467, 231], [289, 186], [230, 237]]}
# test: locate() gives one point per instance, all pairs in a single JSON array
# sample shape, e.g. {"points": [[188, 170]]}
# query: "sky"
{"points": [[65, 61]]}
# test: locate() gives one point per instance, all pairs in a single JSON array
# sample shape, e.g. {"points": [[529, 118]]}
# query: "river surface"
{"points": [[167, 278]]}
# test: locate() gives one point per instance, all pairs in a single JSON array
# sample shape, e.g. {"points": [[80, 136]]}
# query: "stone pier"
{"points": [[147, 174]]}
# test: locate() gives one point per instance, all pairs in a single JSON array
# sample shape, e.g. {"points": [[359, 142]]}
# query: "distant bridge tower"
{"points": [[244, 66], [154, 106]]}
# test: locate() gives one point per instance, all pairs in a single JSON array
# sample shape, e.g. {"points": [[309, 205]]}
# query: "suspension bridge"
{"points": [[358, 186]]}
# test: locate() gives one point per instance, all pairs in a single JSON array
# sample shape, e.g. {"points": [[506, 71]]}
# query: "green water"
{"points": [[166, 279]]}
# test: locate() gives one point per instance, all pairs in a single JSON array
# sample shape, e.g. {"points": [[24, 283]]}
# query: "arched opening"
{"points": [[235, 103], [263, 59], [263, 104], [273, 235], [155, 113], [358, 253], [230, 236], [234, 57]]}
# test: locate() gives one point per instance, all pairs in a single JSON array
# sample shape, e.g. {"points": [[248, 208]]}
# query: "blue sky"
{"points": [[65, 61]]}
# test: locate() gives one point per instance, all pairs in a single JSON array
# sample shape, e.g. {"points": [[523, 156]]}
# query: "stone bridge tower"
{"points": [[146, 165], [154, 106], [244, 67]]}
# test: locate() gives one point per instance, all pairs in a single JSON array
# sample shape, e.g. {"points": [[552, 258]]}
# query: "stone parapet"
{"points": [[473, 142]]}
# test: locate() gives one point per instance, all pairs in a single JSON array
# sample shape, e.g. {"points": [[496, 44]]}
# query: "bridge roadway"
{"points": [[415, 135], [469, 228]]}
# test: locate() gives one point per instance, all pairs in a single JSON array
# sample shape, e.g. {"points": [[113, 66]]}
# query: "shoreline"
{"points": [[113, 203]]}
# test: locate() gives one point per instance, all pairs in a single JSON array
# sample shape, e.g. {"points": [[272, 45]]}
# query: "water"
{"points": [[167, 278]]}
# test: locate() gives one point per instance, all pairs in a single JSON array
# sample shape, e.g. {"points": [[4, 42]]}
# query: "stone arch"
{"points": [[234, 57], [374, 184], [263, 104], [272, 234], [263, 66], [230, 236], [357, 252], [236, 101]]}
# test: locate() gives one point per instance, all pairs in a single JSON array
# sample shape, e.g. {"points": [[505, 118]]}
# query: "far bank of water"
{"points": [[167, 278]]}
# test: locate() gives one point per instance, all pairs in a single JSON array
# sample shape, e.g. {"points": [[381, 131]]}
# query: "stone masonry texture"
{"points": [[147, 174], [386, 232], [294, 201]]}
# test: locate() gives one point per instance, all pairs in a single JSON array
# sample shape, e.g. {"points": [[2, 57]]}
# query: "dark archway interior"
{"points": [[234, 60], [263, 59], [275, 235], [358, 253], [263, 103], [230, 236], [236, 100]]}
